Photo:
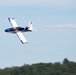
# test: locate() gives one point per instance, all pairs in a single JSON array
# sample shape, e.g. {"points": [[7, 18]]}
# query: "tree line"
{"points": [[57, 68]]}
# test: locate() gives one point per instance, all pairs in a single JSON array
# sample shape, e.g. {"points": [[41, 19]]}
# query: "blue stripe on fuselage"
{"points": [[7, 30], [20, 28], [14, 30]]}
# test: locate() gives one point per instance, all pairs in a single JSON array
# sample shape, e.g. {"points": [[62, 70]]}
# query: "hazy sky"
{"points": [[44, 45], [64, 3]]}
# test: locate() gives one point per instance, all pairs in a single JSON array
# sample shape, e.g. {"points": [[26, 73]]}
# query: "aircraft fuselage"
{"points": [[15, 30]]}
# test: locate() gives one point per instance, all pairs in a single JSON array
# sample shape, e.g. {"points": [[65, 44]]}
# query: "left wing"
{"points": [[13, 22], [21, 37]]}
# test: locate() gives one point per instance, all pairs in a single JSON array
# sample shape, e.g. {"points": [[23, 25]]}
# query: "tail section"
{"points": [[30, 26]]}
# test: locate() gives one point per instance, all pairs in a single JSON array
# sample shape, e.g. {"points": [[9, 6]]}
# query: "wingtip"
{"points": [[25, 43]]}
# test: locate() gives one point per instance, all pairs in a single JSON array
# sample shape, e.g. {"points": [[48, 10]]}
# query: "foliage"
{"points": [[65, 68]]}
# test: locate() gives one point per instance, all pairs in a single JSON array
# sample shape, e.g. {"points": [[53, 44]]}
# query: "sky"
{"points": [[54, 38]]}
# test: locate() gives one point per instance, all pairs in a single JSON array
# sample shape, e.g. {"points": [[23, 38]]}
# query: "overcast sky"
{"points": [[63, 3]]}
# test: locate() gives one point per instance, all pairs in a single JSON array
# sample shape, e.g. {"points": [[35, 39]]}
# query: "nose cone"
{"points": [[6, 30]]}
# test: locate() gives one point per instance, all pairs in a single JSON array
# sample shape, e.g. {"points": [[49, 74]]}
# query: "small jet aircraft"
{"points": [[18, 30]]}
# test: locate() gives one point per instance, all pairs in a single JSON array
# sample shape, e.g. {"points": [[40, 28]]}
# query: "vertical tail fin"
{"points": [[30, 26]]}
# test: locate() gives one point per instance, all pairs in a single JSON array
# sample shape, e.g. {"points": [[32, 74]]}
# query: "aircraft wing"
{"points": [[13, 22], [21, 37]]}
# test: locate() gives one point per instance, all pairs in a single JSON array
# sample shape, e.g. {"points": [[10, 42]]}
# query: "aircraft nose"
{"points": [[6, 30]]}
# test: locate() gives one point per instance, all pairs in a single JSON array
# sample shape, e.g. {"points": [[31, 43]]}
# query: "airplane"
{"points": [[18, 30]]}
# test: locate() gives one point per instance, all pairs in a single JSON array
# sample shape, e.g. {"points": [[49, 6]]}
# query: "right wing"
{"points": [[13, 22], [21, 37]]}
